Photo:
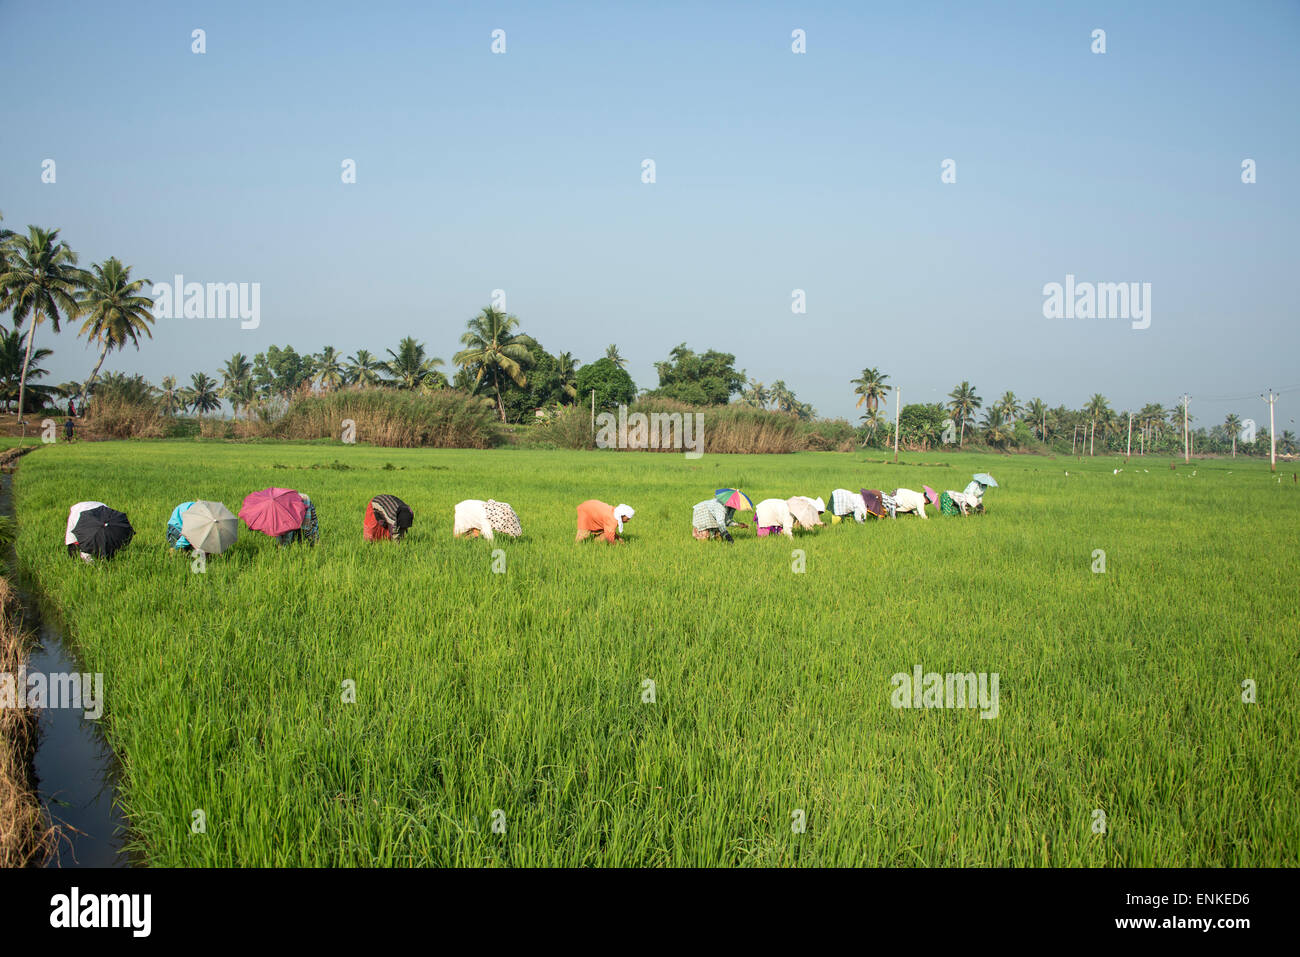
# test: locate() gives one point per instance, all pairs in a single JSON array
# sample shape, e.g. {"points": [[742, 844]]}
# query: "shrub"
{"points": [[827, 435], [570, 428], [120, 417]]}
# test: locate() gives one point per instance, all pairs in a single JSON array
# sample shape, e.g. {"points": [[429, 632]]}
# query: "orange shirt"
{"points": [[594, 516]]}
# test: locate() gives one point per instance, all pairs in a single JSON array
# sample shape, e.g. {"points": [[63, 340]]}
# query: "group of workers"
{"points": [[715, 517], [288, 516]]}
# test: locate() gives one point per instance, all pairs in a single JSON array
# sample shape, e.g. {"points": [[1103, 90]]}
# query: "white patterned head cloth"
{"points": [[502, 518]]}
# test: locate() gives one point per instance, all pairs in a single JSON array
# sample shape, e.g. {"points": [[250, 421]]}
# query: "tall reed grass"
{"points": [[393, 418]]}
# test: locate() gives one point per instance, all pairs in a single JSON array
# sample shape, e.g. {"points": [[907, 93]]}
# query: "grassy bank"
{"points": [[523, 691], [25, 834]]}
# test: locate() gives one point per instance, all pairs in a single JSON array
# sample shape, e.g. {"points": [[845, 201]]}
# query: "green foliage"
{"points": [[280, 372], [708, 379], [613, 386]]}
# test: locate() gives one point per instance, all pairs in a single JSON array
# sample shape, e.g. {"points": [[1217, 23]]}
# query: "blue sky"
{"points": [[775, 171]]}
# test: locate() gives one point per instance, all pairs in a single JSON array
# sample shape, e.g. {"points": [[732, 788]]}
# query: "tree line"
{"points": [[1008, 422], [42, 283]]}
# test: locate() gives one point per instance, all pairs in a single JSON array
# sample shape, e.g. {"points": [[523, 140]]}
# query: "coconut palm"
{"points": [[1036, 409], [1233, 424], [237, 382], [1098, 407], [495, 351], [129, 389], [41, 281], [963, 403], [567, 368], [115, 311], [11, 365], [202, 394], [782, 397], [364, 369], [169, 397], [1009, 406], [995, 426], [330, 373], [755, 396], [1152, 418], [870, 388], [611, 353], [410, 368], [873, 420]]}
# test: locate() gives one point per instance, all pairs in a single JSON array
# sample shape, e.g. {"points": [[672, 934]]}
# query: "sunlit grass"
{"points": [[523, 691]]}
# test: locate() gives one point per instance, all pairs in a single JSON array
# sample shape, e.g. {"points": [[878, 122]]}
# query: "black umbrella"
{"points": [[102, 531]]}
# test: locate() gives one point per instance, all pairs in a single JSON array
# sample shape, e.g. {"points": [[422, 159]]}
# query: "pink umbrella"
{"points": [[273, 510], [932, 495]]}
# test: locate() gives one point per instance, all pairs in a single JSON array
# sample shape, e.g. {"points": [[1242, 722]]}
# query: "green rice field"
{"points": [[520, 698]]}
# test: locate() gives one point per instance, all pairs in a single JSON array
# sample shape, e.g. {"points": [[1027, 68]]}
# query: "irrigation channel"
{"points": [[76, 770]]}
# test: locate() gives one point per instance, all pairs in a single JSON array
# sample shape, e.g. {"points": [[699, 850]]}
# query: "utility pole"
{"points": [[898, 403], [1272, 436], [593, 418], [1187, 454], [1130, 437], [1074, 441]]}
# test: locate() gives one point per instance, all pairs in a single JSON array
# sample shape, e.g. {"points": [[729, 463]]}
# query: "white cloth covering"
{"points": [[471, 515], [774, 511], [910, 501]]}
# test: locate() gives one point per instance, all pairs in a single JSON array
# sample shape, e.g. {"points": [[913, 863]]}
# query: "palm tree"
{"points": [[169, 396], [1009, 406], [870, 388], [1233, 424], [1098, 407], [363, 369], [963, 404], [494, 349], [611, 353], [410, 368], [1152, 417], [872, 419], [130, 389], [202, 395], [567, 367], [995, 425], [40, 281], [236, 382], [755, 396], [782, 397], [1037, 410], [11, 364], [330, 373], [115, 311]]}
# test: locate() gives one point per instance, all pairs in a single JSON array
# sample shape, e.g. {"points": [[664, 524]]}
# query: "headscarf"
{"points": [[622, 512]]}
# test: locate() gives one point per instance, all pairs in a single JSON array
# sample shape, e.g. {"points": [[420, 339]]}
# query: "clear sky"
{"points": [[775, 171]]}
